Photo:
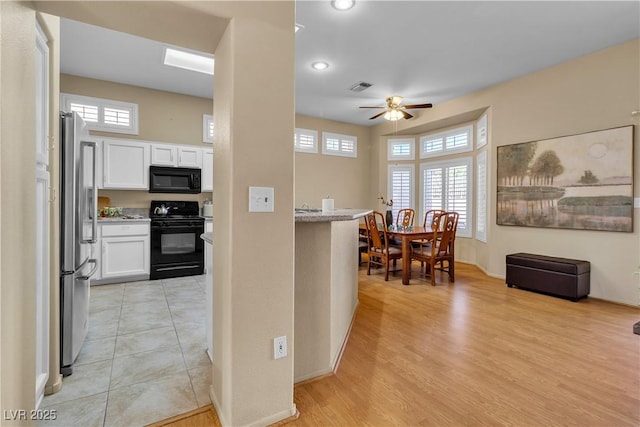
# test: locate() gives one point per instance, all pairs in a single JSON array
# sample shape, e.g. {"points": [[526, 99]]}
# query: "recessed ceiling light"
{"points": [[188, 60], [343, 4], [320, 65]]}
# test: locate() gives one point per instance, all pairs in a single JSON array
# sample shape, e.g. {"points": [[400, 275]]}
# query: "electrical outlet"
{"points": [[280, 347]]}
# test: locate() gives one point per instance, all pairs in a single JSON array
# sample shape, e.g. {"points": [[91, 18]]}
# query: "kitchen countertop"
{"points": [[207, 237], [334, 215]]}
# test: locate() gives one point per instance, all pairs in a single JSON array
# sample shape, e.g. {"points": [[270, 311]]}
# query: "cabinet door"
{"points": [[207, 169], [125, 165], [125, 256], [163, 155], [190, 157]]}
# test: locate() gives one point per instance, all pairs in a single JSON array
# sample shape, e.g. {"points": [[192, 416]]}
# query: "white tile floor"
{"points": [[144, 359]]}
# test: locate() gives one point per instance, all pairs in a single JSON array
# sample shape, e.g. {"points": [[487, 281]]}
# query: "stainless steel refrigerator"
{"points": [[78, 227]]}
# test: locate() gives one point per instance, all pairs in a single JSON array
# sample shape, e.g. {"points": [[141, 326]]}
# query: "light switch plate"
{"points": [[261, 199]]}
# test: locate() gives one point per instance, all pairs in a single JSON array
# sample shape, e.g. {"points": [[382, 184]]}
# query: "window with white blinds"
{"points": [[481, 196], [305, 140], [448, 185], [207, 128], [401, 149], [103, 114], [458, 140], [339, 145], [401, 187]]}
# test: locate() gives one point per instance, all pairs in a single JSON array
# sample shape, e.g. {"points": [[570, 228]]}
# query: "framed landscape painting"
{"points": [[582, 182]]}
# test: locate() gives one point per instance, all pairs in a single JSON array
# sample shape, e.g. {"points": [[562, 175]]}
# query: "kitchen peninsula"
{"points": [[326, 287]]}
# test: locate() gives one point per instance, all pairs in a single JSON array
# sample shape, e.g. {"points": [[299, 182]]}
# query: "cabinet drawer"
{"points": [[129, 229]]}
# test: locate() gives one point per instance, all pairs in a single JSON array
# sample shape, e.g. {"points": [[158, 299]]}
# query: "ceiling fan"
{"points": [[395, 111]]}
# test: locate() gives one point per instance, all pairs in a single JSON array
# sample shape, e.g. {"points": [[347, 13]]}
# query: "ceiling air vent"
{"points": [[359, 87]]}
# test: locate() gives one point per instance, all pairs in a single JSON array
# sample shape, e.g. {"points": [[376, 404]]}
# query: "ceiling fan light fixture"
{"points": [[343, 4], [393, 115], [320, 65]]}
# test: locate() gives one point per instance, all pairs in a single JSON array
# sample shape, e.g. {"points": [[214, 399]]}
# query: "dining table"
{"points": [[406, 235]]}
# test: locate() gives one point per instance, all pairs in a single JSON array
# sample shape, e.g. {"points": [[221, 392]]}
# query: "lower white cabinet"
{"points": [[124, 250]]}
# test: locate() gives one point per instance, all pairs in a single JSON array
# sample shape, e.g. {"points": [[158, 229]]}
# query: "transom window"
{"points": [[339, 145], [305, 140], [401, 149], [103, 114], [451, 141]]}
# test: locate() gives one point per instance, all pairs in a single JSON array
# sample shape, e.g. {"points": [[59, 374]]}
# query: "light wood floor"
{"points": [[478, 353]]}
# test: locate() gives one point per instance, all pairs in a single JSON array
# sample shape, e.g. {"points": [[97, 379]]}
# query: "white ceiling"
{"points": [[426, 51]]}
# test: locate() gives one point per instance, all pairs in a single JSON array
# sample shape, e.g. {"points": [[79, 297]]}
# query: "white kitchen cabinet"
{"points": [[125, 164], [207, 169], [124, 250], [175, 155]]}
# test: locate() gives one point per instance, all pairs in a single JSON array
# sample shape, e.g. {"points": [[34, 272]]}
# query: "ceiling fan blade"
{"points": [[372, 107], [377, 115], [418, 106], [405, 114]]}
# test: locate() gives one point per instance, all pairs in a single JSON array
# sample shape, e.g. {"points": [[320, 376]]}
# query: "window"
{"points": [[401, 187], [305, 140], [481, 196], [339, 145], [401, 149], [481, 131], [458, 140], [103, 114], [448, 185], [207, 128]]}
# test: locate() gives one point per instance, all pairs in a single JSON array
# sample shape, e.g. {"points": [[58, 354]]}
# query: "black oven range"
{"points": [[176, 247]]}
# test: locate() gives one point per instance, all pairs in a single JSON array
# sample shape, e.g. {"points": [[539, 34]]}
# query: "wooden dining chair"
{"points": [[441, 249], [379, 251]]}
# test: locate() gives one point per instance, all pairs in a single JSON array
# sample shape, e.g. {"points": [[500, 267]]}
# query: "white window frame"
{"points": [[341, 151], [467, 231], [394, 142], [444, 150], [482, 131], [481, 196], [207, 128], [412, 186], [66, 99], [309, 133]]}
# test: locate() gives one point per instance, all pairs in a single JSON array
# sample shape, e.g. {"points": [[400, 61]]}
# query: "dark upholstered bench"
{"points": [[562, 277]]}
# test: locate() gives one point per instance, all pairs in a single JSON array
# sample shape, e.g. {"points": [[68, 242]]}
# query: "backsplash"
{"points": [[131, 199]]}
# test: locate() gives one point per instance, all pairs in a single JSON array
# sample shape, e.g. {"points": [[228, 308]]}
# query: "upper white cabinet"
{"points": [[173, 155], [207, 169], [125, 164]]}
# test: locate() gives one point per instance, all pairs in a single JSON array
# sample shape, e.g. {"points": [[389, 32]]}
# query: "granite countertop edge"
{"points": [[121, 219], [334, 215], [207, 237]]}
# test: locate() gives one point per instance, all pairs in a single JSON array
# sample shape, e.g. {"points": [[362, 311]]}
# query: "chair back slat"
{"points": [[405, 217], [432, 217]]}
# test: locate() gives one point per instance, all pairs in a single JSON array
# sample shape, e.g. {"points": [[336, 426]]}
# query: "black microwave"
{"points": [[163, 179]]}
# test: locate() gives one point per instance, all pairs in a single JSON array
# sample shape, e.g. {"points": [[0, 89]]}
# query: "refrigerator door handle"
{"points": [[93, 270], [94, 195]]}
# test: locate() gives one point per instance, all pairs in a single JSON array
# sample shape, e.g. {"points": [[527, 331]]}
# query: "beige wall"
{"points": [[597, 91], [17, 205], [345, 179]]}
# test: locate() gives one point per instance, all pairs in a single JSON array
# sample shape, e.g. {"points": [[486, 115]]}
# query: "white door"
{"points": [[42, 178]]}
